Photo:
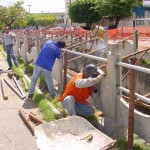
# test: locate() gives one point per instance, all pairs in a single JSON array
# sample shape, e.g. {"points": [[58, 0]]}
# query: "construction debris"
{"points": [[31, 120], [18, 93], [19, 87], [4, 89]]}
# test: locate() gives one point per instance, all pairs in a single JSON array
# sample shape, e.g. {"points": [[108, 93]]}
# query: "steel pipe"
{"points": [[138, 68], [143, 98], [19, 87], [86, 55], [9, 84]]}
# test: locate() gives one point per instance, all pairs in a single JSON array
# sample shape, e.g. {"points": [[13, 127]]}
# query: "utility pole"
{"points": [[29, 7]]}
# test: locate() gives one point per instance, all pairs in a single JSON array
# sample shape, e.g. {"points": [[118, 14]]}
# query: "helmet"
{"points": [[90, 71]]}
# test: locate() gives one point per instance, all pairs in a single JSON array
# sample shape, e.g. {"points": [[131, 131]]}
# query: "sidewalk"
{"points": [[14, 134]]}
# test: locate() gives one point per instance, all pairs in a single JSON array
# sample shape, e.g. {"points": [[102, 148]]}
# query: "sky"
{"points": [[37, 6]]}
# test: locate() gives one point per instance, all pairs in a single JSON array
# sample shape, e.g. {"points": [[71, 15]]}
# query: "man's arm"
{"points": [[83, 83], [12, 34], [3, 40]]}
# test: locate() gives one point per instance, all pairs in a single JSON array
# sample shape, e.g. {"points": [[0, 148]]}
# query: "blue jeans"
{"points": [[75, 108], [48, 78], [11, 54]]}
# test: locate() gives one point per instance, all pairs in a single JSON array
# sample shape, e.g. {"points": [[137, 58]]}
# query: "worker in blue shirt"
{"points": [[44, 64]]}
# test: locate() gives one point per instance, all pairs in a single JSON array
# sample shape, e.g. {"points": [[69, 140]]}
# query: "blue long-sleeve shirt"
{"points": [[48, 54]]}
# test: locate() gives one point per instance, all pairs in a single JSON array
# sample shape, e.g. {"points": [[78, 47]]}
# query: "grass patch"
{"points": [[48, 114], [145, 62], [21, 60], [29, 69], [41, 100], [1, 47], [122, 144]]}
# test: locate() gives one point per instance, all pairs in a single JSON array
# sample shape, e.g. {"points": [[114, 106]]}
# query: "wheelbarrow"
{"points": [[71, 133]]}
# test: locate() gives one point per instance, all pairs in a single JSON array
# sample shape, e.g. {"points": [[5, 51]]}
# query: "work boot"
{"points": [[30, 97], [9, 68]]}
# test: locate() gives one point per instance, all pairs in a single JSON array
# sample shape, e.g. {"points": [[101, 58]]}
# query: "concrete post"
{"points": [[57, 73], [112, 77], [25, 47], [17, 45], [135, 40], [111, 126], [37, 44], [106, 37]]}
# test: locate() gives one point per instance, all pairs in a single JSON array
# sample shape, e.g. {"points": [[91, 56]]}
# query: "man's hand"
{"points": [[100, 72], [95, 90]]}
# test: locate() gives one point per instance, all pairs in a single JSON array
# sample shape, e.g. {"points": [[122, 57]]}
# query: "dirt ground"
{"points": [[14, 134]]}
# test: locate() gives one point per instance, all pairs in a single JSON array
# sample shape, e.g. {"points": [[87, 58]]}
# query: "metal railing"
{"points": [[86, 55], [138, 68]]}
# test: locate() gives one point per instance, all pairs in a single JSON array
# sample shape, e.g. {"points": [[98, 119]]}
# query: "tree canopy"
{"points": [[117, 9], [90, 11], [13, 16], [41, 19], [84, 11]]}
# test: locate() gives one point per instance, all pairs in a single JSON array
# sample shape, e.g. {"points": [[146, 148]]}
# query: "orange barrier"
{"points": [[113, 33], [128, 31], [78, 31]]}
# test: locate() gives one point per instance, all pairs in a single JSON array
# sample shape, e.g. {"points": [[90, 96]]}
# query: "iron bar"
{"points": [[138, 68], [86, 55], [9, 84], [131, 110], [143, 98], [19, 87]]}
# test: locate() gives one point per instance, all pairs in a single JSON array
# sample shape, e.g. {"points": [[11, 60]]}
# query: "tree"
{"points": [[117, 9], [84, 11], [41, 19], [91, 11], [13, 16]]}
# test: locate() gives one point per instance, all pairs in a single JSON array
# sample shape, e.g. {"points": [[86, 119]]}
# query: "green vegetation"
{"points": [[41, 100], [13, 16], [41, 19], [84, 11], [28, 69], [145, 62], [122, 144], [1, 47], [91, 11]]}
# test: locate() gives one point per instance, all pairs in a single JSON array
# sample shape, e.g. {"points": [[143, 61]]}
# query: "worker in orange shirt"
{"points": [[80, 87]]}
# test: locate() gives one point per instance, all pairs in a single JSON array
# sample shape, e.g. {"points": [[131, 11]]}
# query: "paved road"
{"points": [[14, 134]]}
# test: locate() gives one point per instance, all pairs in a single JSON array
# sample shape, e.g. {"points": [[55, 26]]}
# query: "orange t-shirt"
{"points": [[80, 94]]}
